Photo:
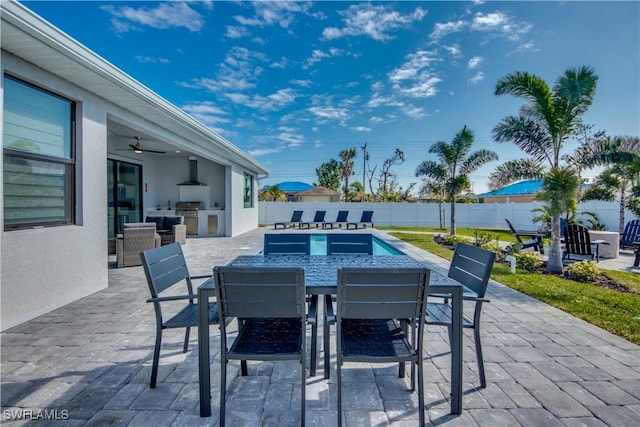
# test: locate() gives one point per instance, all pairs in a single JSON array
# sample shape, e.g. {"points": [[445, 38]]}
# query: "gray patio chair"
{"points": [[380, 319], [471, 267], [296, 244], [287, 243], [296, 218], [270, 306], [352, 243], [165, 267]]}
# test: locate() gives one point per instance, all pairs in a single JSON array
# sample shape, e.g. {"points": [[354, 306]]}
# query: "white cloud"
{"points": [[527, 47], [288, 136], [236, 32], [441, 29], [375, 21], [330, 113], [416, 77], [303, 83], [165, 15], [360, 129], [454, 50], [264, 151], [414, 112], [477, 78], [273, 102], [474, 62], [268, 14], [207, 113], [151, 60], [316, 56], [501, 24]]}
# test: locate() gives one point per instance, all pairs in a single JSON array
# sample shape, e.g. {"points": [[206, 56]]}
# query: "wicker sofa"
{"points": [[135, 238], [170, 228]]}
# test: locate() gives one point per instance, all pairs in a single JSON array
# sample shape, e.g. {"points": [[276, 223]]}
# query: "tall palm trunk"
{"points": [[554, 263], [453, 216]]}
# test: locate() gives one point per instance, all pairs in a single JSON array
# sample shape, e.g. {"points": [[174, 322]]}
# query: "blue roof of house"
{"points": [[518, 189], [291, 186], [521, 188]]}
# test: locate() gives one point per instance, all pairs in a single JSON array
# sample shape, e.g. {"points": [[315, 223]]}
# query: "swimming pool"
{"points": [[380, 247]]}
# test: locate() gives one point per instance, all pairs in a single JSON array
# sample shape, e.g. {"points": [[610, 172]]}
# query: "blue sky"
{"points": [[293, 83]]}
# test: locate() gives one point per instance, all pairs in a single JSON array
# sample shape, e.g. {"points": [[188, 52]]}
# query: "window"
{"points": [[248, 190], [38, 155]]}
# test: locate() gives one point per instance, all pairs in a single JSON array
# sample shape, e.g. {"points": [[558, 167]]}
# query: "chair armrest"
{"points": [[478, 299], [202, 276], [172, 298]]}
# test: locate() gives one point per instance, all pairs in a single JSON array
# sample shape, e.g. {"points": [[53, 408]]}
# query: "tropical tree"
{"points": [[329, 174], [355, 193], [435, 188], [621, 179], [346, 166], [547, 119], [273, 193], [457, 162]]}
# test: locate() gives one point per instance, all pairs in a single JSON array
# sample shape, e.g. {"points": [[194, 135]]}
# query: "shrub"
{"points": [[494, 247], [513, 249], [583, 271], [528, 261], [453, 239], [483, 237]]}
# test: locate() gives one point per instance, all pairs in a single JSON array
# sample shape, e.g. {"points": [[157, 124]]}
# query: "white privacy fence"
{"points": [[489, 215]]}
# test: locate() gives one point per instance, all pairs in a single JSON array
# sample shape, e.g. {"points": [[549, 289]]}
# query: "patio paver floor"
{"points": [[91, 361]]}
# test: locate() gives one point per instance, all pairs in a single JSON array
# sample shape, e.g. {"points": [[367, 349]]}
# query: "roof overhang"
{"points": [[28, 36]]}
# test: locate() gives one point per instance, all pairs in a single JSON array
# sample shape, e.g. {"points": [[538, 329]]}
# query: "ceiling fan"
{"points": [[137, 148]]}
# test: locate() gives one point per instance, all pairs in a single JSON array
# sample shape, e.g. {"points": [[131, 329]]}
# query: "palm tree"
{"points": [[347, 155], [621, 179], [456, 162], [546, 120], [273, 194]]}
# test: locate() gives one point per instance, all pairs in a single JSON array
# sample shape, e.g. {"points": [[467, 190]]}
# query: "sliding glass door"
{"points": [[124, 194]]}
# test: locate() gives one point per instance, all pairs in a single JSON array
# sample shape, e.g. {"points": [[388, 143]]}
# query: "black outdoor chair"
{"points": [[352, 243], [165, 267], [631, 235], [380, 319], [577, 242], [296, 218], [535, 238], [364, 220], [471, 267], [269, 304], [340, 219]]}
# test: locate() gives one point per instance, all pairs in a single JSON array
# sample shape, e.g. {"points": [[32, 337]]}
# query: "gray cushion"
{"points": [[139, 224]]}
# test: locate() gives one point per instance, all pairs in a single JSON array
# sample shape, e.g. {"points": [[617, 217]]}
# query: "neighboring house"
{"points": [[319, 194], [73, 172], [291, 189], [519, 192]]}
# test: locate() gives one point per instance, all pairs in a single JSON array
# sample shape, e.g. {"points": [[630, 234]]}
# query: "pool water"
{"points": [[319, 246]]}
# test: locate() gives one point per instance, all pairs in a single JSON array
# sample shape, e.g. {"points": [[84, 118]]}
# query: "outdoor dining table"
{"points": [[321, 275]]}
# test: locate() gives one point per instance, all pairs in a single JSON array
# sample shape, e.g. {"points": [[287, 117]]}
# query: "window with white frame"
{"points": [[248, 190], [39, 157]]}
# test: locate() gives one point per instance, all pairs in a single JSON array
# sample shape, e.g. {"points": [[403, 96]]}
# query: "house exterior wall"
{"points": [[508, 199], [318, 199], [43, 269], [244, 219]]}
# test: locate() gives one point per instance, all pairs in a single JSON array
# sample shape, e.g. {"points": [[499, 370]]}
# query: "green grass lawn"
{"points": [[616, 312]]}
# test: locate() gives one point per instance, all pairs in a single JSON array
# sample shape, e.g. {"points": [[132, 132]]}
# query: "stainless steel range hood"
{"points": [[193, 173]]}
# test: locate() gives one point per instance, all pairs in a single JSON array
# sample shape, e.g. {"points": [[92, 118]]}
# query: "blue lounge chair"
{"points": [[317, 220], [364, 220], [341, 219], [296, 218]]}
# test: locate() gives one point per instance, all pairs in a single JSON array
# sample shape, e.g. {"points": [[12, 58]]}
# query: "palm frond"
{"points": [[529, 135], [476, 160], [515, 170]]}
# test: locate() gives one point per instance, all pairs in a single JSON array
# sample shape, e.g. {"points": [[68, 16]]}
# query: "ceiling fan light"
{"points": [[137, 150]]}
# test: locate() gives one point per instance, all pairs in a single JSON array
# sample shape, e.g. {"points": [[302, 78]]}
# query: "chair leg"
{"points": [[339, 375], [314, 347], [420, 391], [478, 344], [223, 386], [244, 371], [156, 358], [186, 340]]}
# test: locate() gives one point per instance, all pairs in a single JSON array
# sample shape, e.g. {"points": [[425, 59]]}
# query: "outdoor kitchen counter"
{"points": [[203, 220]]}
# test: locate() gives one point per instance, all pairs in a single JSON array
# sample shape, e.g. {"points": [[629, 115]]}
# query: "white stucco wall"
{"points": [[244, 219], [43, 269]]}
